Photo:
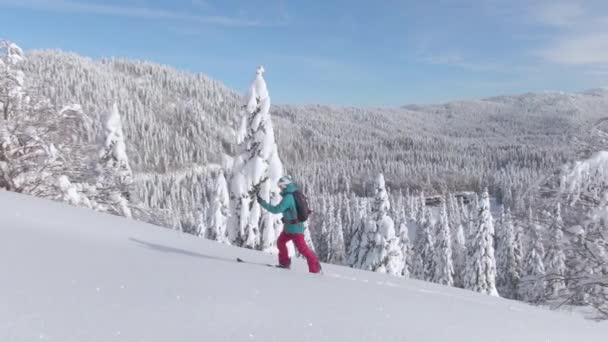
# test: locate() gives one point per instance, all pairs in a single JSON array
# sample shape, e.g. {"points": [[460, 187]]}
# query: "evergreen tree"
{"points": [[358, 232], [335, 237], [555, 258], [114, 170], [406, 249], [380, 249], [480, 273], [444, 268], [533, 285], [424, 263], [508, 257], [256, 171], [218, 211]]}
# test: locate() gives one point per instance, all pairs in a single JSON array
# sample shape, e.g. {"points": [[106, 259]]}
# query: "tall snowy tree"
{"points": [[335, 237], [114, 153], [480, 273], [444, 267], [584, 189], [508, 257], [459, 250], [358, 231], [424, 248], [380, 249], [12, 78], [555, 258], [533, 284], [256, 170], [114, 169], [218, 211], [406, 249]]}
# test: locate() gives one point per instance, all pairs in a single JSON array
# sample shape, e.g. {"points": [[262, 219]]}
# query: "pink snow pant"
{"points": [[300, 243]]}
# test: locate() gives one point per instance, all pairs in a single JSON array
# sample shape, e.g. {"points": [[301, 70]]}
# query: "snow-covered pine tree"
{"points": [[403, 235], [533, 284], [459, 251], [346, 217], [202, 221], [30, 128], [12, 78], [335, 237], [413, 207], [351, 221], [508, 257], [555, 258], [480, 272], [218, 210], [114, 153], [358, 230], [406, 249], [380, 250], [256, 171], [322, 226], [444, 267], [115, 175], [585, 191], [424, 247]]}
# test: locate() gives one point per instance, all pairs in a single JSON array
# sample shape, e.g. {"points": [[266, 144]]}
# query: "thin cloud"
{"points": [[127, 11], [456, 60], [323, 65], [586, 49], [580, 34], [559, 14]]}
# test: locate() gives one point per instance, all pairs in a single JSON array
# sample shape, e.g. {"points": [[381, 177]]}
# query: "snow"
{"points": [[72, 274]]}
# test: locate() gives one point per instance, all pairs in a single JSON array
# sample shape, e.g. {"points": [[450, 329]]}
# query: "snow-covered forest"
{"points": [[505, 196]]}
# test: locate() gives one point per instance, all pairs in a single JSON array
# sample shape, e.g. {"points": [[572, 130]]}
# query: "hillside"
{"points": [[77, 275], [178, 124]]}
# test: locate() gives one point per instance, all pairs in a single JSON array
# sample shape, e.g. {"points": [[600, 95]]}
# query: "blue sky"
{"points": [[372, 53]]}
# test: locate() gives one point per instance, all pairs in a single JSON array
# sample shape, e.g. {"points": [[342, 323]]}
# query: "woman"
{"points": [[293, 230]]}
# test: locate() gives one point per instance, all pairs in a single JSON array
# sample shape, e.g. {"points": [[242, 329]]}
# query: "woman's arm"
{"points": [[276, 209]]}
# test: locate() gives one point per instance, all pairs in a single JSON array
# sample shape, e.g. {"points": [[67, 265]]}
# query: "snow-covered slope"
{"points": [[71, 274]]}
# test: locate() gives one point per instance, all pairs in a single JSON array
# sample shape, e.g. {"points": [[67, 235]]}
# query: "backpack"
{"points": [[302, 209]]}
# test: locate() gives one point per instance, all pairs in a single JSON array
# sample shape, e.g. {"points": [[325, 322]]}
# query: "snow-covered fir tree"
{"points": [[335, 238], [584, 189], [508, 257], [406, 249], [114, 168], [218, 210], [480, 272], [533, 285], [12, 78], [459, 251], [555, 257], [114, 153], [444, 268], [424, 247], [403, 218], [360, 218], [379, 249], [256, 170]]}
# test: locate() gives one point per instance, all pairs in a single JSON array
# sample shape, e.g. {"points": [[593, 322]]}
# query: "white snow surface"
{"points": [[71, 274]]}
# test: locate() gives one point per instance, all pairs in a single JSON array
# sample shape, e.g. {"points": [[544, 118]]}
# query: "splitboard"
{"points": [[257, 263]]}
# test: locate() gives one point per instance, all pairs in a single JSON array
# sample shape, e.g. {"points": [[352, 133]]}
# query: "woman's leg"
{"points": [[313, 262], [284, 259]]}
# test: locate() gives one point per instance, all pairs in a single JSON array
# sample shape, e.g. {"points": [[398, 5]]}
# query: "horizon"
{"points": [[428, 54]]}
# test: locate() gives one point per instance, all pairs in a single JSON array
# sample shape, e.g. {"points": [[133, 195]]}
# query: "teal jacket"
{"points": [[287, 207]]}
